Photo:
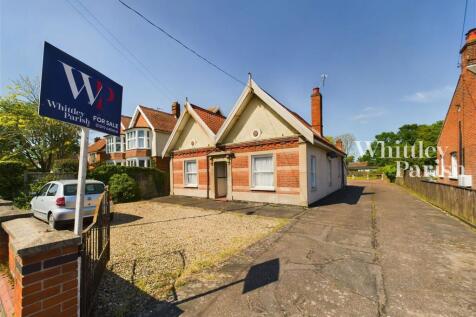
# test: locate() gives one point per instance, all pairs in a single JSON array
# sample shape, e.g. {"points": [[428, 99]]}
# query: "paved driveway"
{"points": [[370, 250]]}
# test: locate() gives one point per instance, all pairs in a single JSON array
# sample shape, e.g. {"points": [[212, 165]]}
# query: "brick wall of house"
{"points": [[200, 155], [137, 153], [462, 109]]}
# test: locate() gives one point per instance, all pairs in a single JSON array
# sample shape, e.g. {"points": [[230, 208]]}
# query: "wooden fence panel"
{"points": [[458, 201]]}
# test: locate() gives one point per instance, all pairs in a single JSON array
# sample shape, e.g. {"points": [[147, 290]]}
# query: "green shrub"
{"points": [[390, 171], [103, 173], [11, 178], [66, 166], [123, 188], [22, 200]]}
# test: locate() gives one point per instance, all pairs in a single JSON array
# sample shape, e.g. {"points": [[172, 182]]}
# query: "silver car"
{"points": [[56, 201]]}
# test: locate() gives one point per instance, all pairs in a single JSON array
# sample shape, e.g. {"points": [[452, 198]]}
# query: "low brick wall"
{"points": [[458, 201], [42, 269]]}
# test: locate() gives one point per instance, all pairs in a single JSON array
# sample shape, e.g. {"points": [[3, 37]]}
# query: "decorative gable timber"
{"points": [[192, 112], [253, 89], [139, 113]]}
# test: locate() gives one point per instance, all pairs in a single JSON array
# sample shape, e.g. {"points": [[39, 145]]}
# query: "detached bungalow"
{"points": [[262, 152]]}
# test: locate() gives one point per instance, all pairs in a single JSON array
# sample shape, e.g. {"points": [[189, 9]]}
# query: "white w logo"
{"points": [[86, 84]]}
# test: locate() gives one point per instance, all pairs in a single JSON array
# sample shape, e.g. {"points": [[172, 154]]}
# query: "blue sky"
{"points": [[388, 62]]}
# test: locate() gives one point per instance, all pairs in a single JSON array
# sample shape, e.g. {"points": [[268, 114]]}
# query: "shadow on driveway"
{"points": [[350, 195], [243, 207]]}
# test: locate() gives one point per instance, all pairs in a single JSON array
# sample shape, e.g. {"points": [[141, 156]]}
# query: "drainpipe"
{"points": [[208, 177]]}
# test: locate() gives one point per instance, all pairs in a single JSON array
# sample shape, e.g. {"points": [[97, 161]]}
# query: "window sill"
{"points": [[191, 186], [263, 189], [455, 178]]}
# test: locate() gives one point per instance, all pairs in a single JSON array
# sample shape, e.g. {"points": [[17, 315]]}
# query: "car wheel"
{"points": [[52, 221]]}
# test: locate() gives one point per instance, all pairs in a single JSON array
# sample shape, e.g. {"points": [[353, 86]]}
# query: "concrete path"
{"points": [[370, 250]]}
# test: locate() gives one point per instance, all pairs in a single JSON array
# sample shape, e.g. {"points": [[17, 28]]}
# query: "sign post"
{"points": [[83, 164], [73, 92]]}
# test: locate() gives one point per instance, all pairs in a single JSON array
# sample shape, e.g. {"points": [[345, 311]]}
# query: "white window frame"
{"points": [[442, 166], [313, 167], [454, 165], [260, 187], [185, 173], [134, 161], [133, 138], [113, 141]]}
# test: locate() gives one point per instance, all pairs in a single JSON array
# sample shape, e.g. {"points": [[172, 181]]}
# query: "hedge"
{"points": [[66, 166], [104, 173], [123, 188], [11, 179]]}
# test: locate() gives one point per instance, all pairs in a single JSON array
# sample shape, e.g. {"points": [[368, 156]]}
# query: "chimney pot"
{"points": [[339, 144], [316, 110], [176, 109], [471, 36]]}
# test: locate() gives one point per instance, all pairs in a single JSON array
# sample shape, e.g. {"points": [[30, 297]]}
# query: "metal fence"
{"points": [[95, 253], [458, 201]]}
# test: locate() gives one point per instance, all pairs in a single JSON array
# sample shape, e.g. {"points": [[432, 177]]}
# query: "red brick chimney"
{"points": [[316, 110], [468, 51], [339, 144], [176, 109]]}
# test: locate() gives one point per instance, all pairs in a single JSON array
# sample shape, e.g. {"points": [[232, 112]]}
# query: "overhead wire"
{"points": [[181, 43]]}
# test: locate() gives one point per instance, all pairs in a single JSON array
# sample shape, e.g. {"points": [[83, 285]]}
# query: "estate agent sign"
{"points": [[73, 92]]}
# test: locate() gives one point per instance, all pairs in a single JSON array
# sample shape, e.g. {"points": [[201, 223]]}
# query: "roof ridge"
{"points": [[156, 110], [206, 110]]}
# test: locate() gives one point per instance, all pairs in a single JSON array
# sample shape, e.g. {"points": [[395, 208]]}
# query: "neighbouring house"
{"points": [[97, 152], [360, 167], [116, 145], [262, 152], [146, 136], [458, 136]]}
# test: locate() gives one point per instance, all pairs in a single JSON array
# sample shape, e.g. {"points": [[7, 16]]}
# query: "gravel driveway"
{"points": [[156, 247]]}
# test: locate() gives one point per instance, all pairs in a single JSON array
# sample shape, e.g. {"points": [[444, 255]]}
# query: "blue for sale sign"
{"points": [[73, 92]]}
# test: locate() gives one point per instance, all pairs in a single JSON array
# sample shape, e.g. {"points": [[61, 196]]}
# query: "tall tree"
{"points": [[28, 137], [407, 135], [347, 141]]}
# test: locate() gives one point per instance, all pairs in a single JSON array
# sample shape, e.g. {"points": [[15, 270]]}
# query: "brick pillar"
{"points": [[43, 269]]}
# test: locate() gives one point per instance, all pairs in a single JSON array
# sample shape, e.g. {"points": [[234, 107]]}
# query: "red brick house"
{"points": [[97, 152], [116, 145], [146, 135], [262, 152], [458, 136]]}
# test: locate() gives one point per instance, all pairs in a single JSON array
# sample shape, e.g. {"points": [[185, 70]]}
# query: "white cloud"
{"points": [[429, 96], [367, 114]]}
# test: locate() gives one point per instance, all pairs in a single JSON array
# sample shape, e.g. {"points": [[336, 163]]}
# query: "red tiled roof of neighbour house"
{"points": [[358, 164], [125, 120], [97, 146], [212, 119], [160, 120], [316, 134]]}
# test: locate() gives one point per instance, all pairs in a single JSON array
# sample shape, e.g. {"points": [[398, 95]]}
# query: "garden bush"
{"points": [[103, 173], [390, 171], [123, 188], [22, 200], [70, 165], [11, 178]]}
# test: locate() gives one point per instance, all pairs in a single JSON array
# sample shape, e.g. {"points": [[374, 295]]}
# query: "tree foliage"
{"points": [[25, 136], [407, 135], [347, 141]]}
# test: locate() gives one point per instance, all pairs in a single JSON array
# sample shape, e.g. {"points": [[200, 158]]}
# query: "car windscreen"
{"points": [[91, 189]]}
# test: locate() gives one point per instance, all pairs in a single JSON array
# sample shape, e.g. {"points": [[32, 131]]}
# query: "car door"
{"points": [[37, 203], [49, 201]]}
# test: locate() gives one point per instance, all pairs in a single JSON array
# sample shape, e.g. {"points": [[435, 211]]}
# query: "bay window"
{"points": [[190, 168], [138, 139], [262, 172], [115, 144], [139, 161]]}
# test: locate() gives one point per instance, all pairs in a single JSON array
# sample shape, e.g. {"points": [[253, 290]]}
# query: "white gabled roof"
{"points": [[136, 114], [253, 89], [188, 113]]}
